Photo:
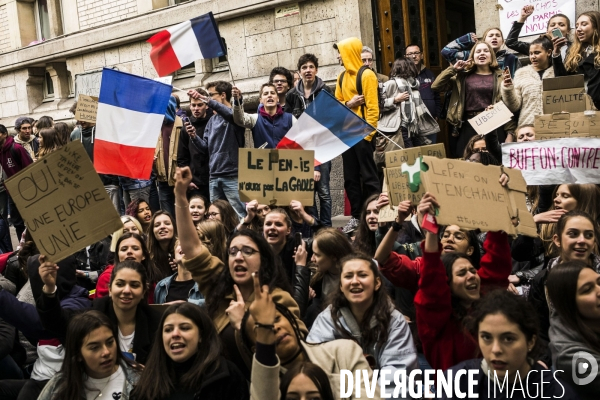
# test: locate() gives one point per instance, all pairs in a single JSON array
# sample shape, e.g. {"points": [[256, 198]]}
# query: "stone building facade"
{"points": [[47, 47]]}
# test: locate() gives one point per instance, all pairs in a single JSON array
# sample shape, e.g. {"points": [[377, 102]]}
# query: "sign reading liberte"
{"points": [[63, 202]]}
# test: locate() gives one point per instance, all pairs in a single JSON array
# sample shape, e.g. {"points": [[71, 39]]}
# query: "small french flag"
{"points": [[131, 110], [185, 43], [328, 127]]}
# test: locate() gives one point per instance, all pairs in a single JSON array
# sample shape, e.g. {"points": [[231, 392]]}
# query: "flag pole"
{"points": [[388, 138]]}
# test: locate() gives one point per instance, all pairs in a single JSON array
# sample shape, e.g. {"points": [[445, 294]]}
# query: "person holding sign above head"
{"points": [[229, 290], [505, 327], [220, 143], [94, 367], [125, 306], [574, 289], [558, 26], [448, 287], [186, 361], [583, 56], [476, 85], [270, 124], [524, 92]]}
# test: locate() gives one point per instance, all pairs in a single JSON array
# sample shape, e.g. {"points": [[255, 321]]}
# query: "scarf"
{"points": [[27, 145], [413, 108]]}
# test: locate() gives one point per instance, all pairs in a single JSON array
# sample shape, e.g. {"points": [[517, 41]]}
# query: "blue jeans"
{"points": [[166, 195], [322, 190], [227, 188]]}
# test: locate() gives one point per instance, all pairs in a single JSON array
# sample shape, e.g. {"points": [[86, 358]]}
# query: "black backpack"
{"points": [[380, 89]]}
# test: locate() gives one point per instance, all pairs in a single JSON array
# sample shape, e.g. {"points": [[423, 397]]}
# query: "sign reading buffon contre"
{"points": [[63, 202]]}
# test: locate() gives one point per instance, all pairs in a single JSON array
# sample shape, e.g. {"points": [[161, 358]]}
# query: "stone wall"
{"points": [[4, 29], [98, 12]]}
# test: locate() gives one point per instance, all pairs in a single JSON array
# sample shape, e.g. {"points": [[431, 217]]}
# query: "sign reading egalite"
{"points": [[63, 202], [87, 108], [276, 176], [471, 196], [397, 180]]}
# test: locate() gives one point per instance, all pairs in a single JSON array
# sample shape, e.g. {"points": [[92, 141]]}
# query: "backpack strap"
{"points": [[342, 79], [359, 87]]}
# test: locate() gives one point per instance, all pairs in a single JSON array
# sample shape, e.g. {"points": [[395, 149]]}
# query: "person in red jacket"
{"points": [[448, 287]]}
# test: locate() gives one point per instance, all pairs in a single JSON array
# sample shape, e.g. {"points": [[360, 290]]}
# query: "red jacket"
{"points": [[445, 340], [402, 271], [104, 281]]}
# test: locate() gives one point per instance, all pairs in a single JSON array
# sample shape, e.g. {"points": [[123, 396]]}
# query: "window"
{"points": [[186, 71], [70, 83], [220, 63], [174, 2], [48, 87], [42, 19]]}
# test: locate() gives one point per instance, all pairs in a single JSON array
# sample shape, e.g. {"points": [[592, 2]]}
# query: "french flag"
{"points": [[328, 127], [131, 110], [185, 43]]}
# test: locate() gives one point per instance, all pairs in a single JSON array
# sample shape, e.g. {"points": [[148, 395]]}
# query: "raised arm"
{"points": [[188, 236], [459, 49], [239, 116], [512, 39]]}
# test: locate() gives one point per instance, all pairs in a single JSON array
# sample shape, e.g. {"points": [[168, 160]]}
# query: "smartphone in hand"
{"points": [[297, 239], [557, 33]]}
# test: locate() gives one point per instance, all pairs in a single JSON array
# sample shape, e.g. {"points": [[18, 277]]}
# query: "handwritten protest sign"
{"points": [[398, 181], [564, 125], [471, 197], [63, 202], [547, 162], [389, 212], [510, 10], [276, 176], [487, 121], [87, 108]]}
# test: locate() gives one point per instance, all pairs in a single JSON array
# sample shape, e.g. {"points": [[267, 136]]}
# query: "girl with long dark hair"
{"points": [[140, 209], [125, 306], [505, 327], [93, 367], [130, 246], [229, 289], [574, 290], [162, 235], [186, 362], [361, 310]]}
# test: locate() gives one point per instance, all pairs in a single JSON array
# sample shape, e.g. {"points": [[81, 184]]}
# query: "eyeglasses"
{"points": [[246, 251], [413, 54], [213, 214], [277, 81], [213, 94]]}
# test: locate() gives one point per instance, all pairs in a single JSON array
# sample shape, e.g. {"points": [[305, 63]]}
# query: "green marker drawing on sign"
{"points": [[414, 173]]}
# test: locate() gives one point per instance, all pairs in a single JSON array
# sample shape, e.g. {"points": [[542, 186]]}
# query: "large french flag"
{"points": [[328, 127], [131, 110], [185, 43]]}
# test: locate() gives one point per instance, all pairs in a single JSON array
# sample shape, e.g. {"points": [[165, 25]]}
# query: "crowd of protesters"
{"points": [[203, 296]]}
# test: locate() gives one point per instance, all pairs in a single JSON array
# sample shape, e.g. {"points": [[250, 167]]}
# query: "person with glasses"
{"points": [[426, 77], [222, 211], [229, 289], [283, 80], [24, 136], [220, 143]]}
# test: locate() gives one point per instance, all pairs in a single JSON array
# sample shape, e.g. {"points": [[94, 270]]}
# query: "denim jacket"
{"points": [[162, 291]]}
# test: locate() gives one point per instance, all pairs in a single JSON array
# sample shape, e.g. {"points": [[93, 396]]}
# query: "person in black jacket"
{"points": [[583, 56], [186, 362], [11, 352], [189, 155]]}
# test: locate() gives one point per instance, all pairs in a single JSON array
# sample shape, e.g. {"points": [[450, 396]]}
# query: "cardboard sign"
{"points": [[471, 197], [564, 125], [398, 157], [63, 202], [548, 162], [565, 93], [389, 212], [87, 108], [398, 181], [510, 11], [276, 176], [487, 121]]}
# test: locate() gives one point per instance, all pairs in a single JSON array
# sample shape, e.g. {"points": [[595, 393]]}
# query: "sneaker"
{"points": [[350, 226]]}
